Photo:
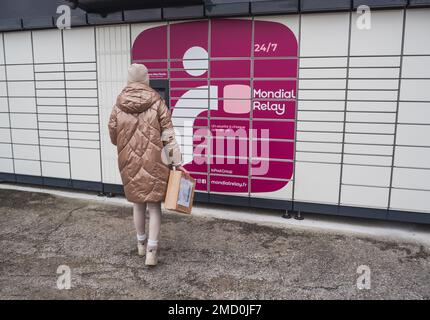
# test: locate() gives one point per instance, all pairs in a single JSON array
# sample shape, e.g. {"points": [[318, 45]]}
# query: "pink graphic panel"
{"points": [[241, 97]]}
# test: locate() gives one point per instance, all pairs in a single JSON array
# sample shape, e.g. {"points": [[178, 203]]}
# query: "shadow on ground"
{"points": [[199, 257]]}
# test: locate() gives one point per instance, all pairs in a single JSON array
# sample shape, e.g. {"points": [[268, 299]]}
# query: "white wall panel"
{"points": [[113, 58]]}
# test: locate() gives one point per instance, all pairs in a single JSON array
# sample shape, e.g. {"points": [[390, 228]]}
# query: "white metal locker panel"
{"points": [[4, 120], [372, 95], [322, 94], [323, 62], [381, 128], [414, 112], [4, 107], [371, 117], [29, 167], [411, 178], [413, 135], [5, 135], [416, 67], [410, 200], [364, 196], [320, 116], [2, 72], [18, 47], [21, 89], [384, 36], [81, 66], [20, 72], [22, 105], [6, 165], [57, 154], [359, 159], [366, 175], [415, 90], [386, 84], [286, 193], [56, 170], [1, 49], [322, 84], [374, 106], [3, 89], [321, 105], [320, 126], [319, 147], [54, 67], [325, 73], [23, 121], [318, 157], [47, 46], [416, 31], [319, 136], [414, 157], [21, 151], [24, 136], [5, 150], [79, 45], [317, 182], [324, 34], [368, 149], [378, 73], [374, 62], [85, 164], [113, 59]]}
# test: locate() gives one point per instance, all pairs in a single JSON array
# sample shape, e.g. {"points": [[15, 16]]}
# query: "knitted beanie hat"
{"points": [[138, 73]]}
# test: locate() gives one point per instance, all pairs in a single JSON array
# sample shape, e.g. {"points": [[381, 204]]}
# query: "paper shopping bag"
{"points": [[180, 192]]}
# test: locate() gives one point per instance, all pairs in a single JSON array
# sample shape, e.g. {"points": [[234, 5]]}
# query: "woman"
{"points": [[140, 126]]}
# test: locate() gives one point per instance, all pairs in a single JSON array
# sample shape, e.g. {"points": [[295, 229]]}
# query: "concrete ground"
{"points": [[201, 256]]}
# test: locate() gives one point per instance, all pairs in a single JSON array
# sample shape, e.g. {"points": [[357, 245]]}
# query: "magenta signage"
{"points": [[233, 98]]}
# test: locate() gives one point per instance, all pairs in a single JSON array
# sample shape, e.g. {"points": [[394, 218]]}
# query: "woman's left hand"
{"points": [[181, 168]]}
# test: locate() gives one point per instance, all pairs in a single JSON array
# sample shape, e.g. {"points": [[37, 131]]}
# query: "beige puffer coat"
{"points": [[138, 120]]}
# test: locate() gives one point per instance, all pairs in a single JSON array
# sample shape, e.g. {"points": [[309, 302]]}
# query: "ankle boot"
{"points": [[141, 248], [151, 257]]}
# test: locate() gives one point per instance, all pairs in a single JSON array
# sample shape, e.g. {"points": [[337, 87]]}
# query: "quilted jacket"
{"points": [[140, 126]]}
